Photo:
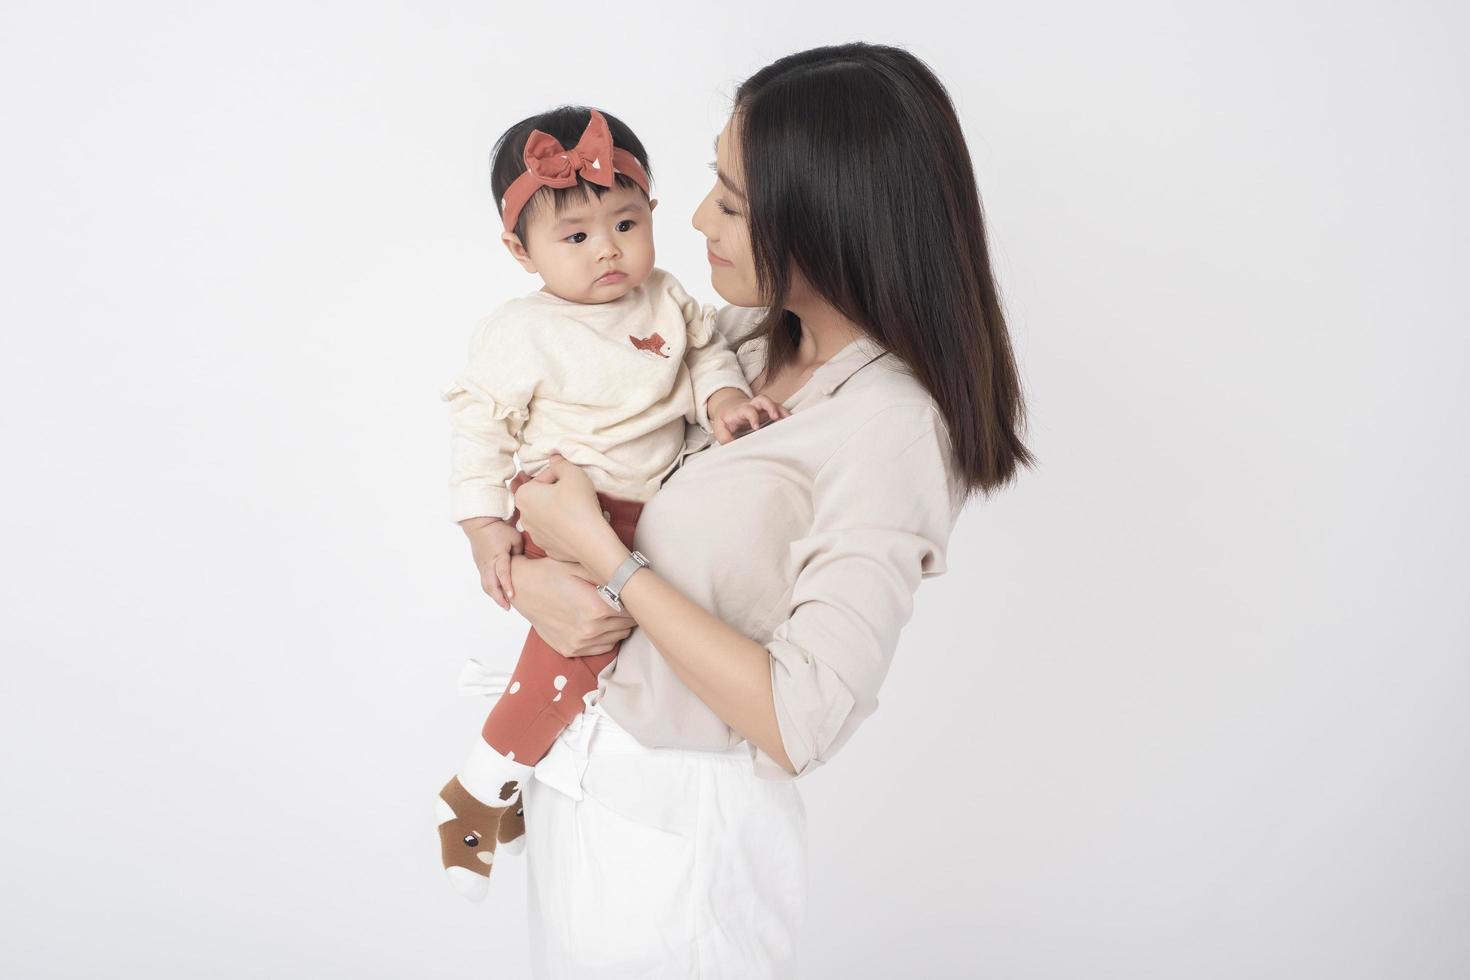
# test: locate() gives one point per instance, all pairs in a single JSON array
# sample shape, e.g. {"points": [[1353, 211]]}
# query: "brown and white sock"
{"points": [[472, 806]]}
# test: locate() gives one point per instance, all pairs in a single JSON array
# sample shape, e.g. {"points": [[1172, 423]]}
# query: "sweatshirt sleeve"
{"points": [[489, 402], [884, 505], [711, 361]]}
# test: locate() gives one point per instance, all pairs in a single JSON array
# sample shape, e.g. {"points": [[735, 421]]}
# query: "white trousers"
{"points": [[660, 863]]}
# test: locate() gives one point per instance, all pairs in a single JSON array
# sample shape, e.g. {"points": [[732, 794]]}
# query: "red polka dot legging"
{"points": [[545, 689]]}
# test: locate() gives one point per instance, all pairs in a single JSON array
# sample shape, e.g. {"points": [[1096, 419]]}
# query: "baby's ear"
{"points": [[517, 250], [652, 203]]}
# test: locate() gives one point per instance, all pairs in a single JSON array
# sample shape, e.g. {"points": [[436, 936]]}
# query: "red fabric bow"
{"points": [[549, 164], [555, 166]]}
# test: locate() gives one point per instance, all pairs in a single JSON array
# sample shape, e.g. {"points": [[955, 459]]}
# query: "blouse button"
{"points": [[606, 516]]}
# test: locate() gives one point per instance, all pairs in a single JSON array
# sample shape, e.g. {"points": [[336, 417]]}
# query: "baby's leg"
{"points": [[481, 806], [543, 696], [546, 689]]}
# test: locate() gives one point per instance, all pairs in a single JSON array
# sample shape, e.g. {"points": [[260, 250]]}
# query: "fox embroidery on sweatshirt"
{"points": [[653, 343], [610, 386]]}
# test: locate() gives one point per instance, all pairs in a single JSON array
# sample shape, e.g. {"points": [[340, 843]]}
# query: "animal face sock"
{"points": [[479, 808]]}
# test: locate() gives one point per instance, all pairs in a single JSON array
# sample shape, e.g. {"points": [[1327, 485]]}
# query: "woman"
{"points": [[665, 835]]}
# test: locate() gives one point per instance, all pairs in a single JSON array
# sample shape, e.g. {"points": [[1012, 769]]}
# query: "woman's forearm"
{"points": [[729, 672]]}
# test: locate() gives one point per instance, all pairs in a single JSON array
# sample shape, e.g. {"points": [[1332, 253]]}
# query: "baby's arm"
{"points": [[492, 542], [712, 365], [723, 398], [488, 404], [733, 414]]}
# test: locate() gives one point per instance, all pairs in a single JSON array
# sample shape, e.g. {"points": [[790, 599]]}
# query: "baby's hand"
{"points": [[733, 415], [492, 542]]}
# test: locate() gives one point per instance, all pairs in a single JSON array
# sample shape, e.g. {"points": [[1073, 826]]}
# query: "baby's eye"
{"points": [[577, 237], [626, 224]]}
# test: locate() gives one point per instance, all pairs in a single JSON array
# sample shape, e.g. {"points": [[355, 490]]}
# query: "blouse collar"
{"points": [[832, 373]]}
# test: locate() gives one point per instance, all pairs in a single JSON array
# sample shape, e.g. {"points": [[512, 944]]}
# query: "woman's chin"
{"points": [[730, 288]]}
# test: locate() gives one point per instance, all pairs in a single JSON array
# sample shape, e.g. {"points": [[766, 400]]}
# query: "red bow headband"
{"points": [[549, 164]]}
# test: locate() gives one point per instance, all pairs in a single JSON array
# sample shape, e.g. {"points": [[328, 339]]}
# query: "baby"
{"points": [[604, 365]]}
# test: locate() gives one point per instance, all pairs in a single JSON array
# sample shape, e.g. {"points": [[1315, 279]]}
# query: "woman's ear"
{"points": [[517, 250]]}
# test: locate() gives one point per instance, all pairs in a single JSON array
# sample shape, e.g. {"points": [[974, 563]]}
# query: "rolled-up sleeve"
{"points": [[883, 507]]}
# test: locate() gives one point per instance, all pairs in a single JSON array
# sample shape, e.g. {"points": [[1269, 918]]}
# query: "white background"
{"points": [[1191, 702]]}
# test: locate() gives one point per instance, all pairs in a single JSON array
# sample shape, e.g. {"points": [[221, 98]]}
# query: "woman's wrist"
{"points": [[605, 556]]}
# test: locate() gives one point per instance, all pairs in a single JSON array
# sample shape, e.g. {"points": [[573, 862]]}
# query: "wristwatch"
{"points": [[614, 586]]}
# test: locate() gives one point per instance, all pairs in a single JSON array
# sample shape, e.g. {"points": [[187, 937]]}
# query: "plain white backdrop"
{"points": [[1191, 702]]}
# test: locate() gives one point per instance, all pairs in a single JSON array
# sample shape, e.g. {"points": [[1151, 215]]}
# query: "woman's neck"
{"points": [[824, 330]]}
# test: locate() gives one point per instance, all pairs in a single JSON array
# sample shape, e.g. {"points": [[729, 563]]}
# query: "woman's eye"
{"points": [[721, 205], [625, 225], [577, 238]]}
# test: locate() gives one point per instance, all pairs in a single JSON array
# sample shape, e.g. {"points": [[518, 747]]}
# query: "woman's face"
{"points": [[720, 217]]}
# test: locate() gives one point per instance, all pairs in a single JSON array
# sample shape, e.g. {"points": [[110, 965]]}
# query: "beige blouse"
{"points": [[810, 536]]}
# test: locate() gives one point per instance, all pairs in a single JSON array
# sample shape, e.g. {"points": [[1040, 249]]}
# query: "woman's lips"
{"points": [[613, 277], [716, 260]]}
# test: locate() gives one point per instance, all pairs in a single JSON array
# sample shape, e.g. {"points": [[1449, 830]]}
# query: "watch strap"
{"points": [[614, 587]]}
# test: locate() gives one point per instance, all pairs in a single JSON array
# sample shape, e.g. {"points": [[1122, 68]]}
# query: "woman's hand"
{"points": [[561, 603], [559, 510]]}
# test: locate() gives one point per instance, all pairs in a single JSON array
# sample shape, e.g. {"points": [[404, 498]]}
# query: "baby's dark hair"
{"points": [[566, 123]]}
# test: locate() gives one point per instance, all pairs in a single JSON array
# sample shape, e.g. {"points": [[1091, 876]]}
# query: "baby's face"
{"points": [[594, 251]]}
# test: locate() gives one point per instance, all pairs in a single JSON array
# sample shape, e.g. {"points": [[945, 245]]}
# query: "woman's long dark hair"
{"points": [[856, 171]]}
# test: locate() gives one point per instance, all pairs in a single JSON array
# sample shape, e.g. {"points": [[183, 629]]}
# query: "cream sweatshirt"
{"points": [[610, 386]]}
